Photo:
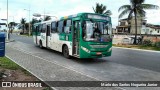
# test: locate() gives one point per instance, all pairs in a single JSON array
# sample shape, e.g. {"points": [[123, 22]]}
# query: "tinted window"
{"points": [[37, 28], [43, 28], [68, 22], [60, 26], [67, 28], [40, 28], [53, 27]]}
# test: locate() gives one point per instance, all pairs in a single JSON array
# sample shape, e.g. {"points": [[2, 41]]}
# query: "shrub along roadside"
{"points": [[146, 44]]}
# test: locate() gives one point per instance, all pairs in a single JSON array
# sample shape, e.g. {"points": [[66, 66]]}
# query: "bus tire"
{"points": [[40, 44], [65, 52]]}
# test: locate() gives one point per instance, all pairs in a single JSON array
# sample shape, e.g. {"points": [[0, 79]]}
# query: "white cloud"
{"points": [[68, 7]]}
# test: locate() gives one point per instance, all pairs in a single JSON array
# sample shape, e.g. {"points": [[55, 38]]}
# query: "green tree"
{"points": [[27, 27], [33, 22], [101, 9], [11, 26], [23, 21], [47, 18], [137, 7]]}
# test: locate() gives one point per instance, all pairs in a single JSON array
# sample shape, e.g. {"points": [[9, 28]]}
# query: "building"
{"points": [[151, 29], [126, 26], [123, 26]]}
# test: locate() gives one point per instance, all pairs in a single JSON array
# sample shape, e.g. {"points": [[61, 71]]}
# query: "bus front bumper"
{"points": [[96, 54]]}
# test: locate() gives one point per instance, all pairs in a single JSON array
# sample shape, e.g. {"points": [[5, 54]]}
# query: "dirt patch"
{"points": [[17, 75]]}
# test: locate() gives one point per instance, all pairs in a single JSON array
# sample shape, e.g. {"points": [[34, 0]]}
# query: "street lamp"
{"points": [[29, 22]]}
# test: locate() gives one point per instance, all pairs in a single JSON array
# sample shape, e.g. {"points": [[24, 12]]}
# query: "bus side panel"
{"points": [[65, 39], [54, 41], [43, 39]]}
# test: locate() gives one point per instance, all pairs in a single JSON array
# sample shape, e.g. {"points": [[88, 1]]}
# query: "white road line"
{"points": [[137, 49]]}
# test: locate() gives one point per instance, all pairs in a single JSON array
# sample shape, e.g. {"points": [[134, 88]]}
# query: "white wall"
{"points": [[148, 30]]}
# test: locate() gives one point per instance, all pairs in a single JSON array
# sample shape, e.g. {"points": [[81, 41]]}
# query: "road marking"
{"points": [[137, 49], [58, 65]]}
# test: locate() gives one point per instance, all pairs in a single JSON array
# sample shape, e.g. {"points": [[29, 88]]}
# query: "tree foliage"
{"points": [[136, 7], [101, 9]]}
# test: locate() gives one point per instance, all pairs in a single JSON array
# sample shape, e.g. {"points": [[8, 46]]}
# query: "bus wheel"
{"points": [[40, 44], [66, 52]]}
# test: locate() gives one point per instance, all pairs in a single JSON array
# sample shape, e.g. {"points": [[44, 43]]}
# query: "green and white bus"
{"points": [[84, 35]]}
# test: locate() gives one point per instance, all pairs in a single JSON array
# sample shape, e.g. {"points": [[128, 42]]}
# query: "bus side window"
{"points": [[36, 28], [43, 28], [60, 26], [39, 28], [67, 28], [53, 27]]}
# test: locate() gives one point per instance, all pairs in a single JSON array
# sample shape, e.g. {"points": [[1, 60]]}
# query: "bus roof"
{"points": [[81, 14], [75, 15]]}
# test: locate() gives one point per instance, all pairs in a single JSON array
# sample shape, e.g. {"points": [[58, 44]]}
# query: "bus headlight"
{"points": [[110, 49], [85, 49]]}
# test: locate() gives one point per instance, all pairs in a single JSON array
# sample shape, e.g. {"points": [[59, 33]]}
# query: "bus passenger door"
{"points": [[48, 37], [76, 38]]}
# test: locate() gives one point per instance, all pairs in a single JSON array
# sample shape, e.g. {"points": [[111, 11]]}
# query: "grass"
{"points": [[8, 64], [139, 47]]}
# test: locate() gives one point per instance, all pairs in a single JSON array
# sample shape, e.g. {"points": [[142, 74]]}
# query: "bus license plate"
{"points": [[98, 53]]}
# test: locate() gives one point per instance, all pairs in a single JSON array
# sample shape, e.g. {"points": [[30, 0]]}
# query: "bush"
{"points": [[157, 44], [147, 42]]}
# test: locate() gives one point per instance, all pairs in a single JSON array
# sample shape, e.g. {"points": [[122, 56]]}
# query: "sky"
{"points": [[18, 9]]}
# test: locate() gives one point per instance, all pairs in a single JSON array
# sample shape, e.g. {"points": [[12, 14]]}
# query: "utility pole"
{"points": [[7, 24], [29, 32]]}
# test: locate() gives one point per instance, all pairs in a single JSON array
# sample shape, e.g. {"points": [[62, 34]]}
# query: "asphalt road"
{"points": [[134, 58], [123, 65]]}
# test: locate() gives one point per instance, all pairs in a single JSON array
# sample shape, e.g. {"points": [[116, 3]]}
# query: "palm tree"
{"points": [[33, 22], [47, 18], [101, 9], [12, 24], [23, 21], [27, 27], [137, 7]]}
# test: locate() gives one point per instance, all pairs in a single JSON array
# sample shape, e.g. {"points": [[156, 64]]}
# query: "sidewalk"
{"points": [[46, 70], [12, 40]]}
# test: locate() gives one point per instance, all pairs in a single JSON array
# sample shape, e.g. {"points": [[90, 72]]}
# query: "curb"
{"points": [[7, 41], [138, 49]]}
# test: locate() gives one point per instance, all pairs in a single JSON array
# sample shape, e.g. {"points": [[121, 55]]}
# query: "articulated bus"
{"points": [[84, 35]]}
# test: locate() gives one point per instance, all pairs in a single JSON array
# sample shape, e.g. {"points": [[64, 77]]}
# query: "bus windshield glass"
{"points": [[96, 31]]}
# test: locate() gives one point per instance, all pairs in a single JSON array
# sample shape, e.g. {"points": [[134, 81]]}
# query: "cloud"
{"points": [[61, 8]]}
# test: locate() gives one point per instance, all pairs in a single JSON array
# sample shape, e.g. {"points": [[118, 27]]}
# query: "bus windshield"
{"points": [[96, 31]]}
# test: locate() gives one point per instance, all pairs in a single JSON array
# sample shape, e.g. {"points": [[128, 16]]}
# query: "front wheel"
{"points": [[40, 44], [66, 52]]}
